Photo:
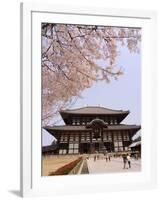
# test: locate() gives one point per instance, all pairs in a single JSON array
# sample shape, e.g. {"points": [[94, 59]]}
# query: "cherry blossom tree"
{"points": [[70, 60]]}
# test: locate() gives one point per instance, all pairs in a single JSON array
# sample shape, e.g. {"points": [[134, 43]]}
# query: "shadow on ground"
{"points": [[15, 192]]}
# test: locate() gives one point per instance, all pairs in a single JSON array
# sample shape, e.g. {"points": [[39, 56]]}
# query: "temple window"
{"points": [[70, 151], [118, 142], [109, 137], [73, 122], [71, 138], [104, 136], [115, 137], [126, 148], [64, 138], [73, 148], [83, 137], [61, 138], [62, 151], [76, 137], [126, 137], [78, 122], [119, 137], [88, 137], [118, 146], [75, 151], [116, 149]]}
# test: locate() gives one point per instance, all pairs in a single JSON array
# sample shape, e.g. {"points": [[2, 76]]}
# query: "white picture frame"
{"points": [[32, 183]]}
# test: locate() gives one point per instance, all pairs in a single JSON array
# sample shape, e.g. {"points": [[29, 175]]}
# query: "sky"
{"points": [[121, 94]]}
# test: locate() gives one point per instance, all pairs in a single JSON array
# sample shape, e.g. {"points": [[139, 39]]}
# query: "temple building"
{"points": [[92, 130]]}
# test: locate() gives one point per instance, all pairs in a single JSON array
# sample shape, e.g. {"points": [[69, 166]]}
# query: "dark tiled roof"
{"points": [[81, 128], [48, 148], [93, 110]]}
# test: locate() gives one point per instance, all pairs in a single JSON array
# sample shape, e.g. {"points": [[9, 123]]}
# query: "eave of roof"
{"points": [[93, 110], [83, 128], [134, 144]]}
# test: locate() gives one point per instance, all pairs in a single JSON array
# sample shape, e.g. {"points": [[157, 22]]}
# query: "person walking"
{"points": [[124, 161], [106, 158], [94, 157], [129, 160], [109, 157]]}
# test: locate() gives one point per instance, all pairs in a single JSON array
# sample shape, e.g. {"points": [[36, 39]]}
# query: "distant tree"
{"points": [[71, 56]]}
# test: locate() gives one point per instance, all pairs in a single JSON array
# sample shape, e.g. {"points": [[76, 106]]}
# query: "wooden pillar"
{"points": [[130, 135], [79, 135], [81, 121], [91, 144], [102, 135], [109, 141], [122, 135], [68, 136], [58, 141], [112, 135]]}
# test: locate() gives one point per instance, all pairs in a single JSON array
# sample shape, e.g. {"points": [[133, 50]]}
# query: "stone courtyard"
{"points": [[115, 165]]}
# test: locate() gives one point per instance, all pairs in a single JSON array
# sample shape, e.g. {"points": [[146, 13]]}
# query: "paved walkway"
{"points": [[115, 165]]}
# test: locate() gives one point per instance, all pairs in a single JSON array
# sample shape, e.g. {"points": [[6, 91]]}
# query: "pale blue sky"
{"points": [[124, 93]]}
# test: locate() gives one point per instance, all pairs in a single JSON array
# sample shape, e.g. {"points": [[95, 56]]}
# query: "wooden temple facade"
{"points": [[91, 130]]}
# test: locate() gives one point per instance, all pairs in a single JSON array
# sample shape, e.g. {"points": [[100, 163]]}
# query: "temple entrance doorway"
{"points": [[84, 148], [98, 147]]}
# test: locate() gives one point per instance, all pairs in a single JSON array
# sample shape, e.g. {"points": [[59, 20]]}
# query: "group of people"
{"points": [[126, 161], [106, 156]]}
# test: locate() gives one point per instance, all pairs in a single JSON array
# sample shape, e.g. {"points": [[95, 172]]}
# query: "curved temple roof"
{"points": [[93, 110], [68, 129], [77, 128]]}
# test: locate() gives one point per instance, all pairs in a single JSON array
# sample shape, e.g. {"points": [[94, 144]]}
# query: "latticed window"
{"points": [[126, 136], [88, 137], [117, 136], [109, 137], [126, 148], [77, 121], [83, 123], [73, 121], [71, 138], [104, 136], [118, 146], [76, 138], [73, 148], [62, 151], [64, 138], [83, 137], [118, 142]]}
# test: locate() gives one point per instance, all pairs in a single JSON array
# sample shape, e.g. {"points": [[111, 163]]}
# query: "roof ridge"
{"points": [[93, 107]]}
